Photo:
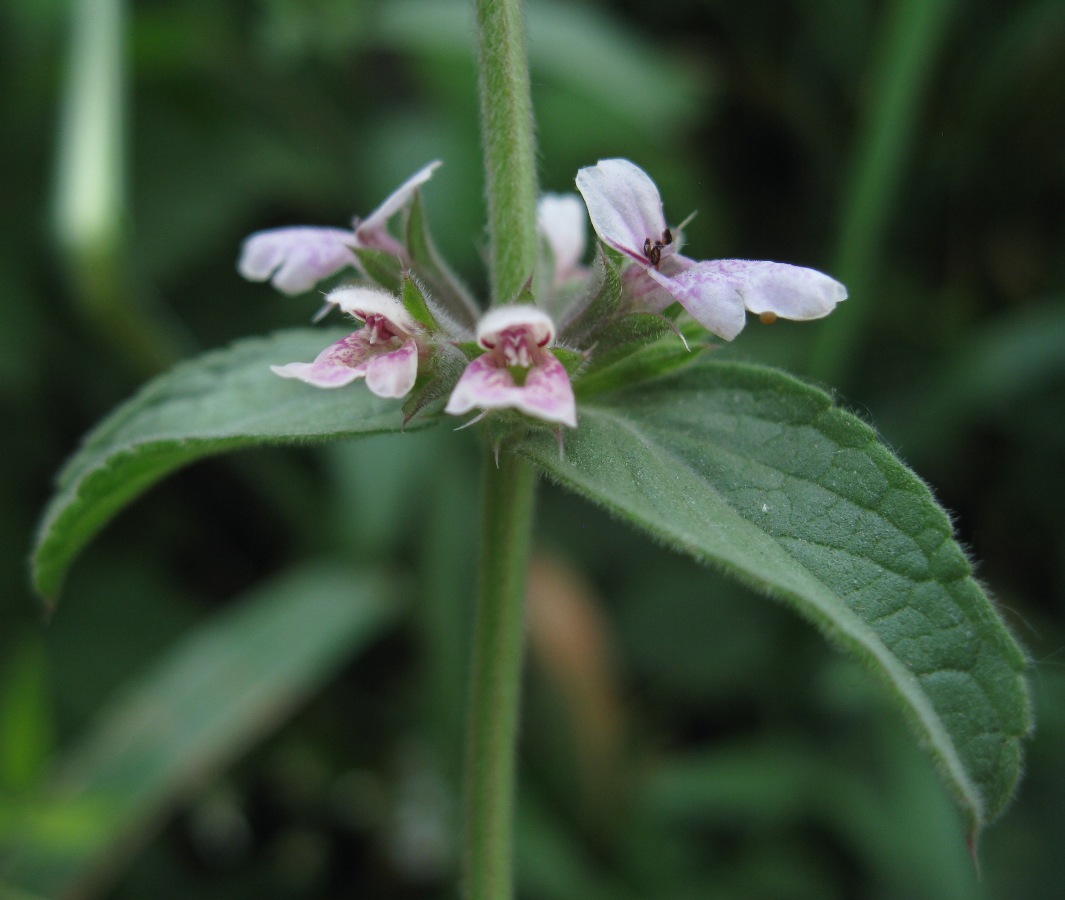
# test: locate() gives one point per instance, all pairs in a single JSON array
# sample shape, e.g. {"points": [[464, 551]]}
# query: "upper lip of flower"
{"points": [[372, 304], [496, 322], [626, 209]]}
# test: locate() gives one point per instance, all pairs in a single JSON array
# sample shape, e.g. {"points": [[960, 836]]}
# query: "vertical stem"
{"points": [[510, 168], [509, 146], [496, 686]]}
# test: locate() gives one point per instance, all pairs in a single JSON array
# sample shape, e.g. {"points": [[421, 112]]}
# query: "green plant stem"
{"points": [[496, 683], [509, 146]]}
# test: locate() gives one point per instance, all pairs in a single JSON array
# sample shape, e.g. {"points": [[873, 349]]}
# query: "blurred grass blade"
{"points": [[989, 376], [89, 183], [774, 786], [220, 401], [903, 64], [212, 696], [752, 471], [90, 202], [26, 738]]}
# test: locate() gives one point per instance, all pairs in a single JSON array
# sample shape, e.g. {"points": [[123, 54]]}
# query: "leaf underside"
{"points": [[221, 401], [754, 472]]}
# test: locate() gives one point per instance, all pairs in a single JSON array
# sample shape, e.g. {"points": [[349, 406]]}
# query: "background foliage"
{"points": [[682, 736]]}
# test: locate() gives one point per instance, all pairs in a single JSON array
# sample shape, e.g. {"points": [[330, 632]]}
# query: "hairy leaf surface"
{"points": [[752, 471]]}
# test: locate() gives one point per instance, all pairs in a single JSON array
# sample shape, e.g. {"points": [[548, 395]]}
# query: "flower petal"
{"points": [[709, 297], [791, 292], [373, 230], [337, 365], [547, 393], [392, 374], [297, 258], [360, 302], [562, 220], [642, 293], [623, 204]]}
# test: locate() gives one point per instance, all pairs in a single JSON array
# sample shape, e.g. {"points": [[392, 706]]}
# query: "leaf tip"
{"points": [[972, 840]]}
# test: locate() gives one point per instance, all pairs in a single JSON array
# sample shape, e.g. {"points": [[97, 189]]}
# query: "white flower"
{"points": [[517, 371], [295, 259], [384, 351], [626, 212]]}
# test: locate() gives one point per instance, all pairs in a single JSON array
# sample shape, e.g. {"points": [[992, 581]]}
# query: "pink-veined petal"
{"points": [[547, 393], [791, 292], [642, 293], [623, 204], [392, 374], [561, 219], [709, 297], [373, 230], [337, 365], [297, 258]]}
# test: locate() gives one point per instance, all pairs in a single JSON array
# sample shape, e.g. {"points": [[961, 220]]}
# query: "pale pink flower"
{"points": [[562, 221], [517, 371], [384, 351], [626, 212], [295, 259]]}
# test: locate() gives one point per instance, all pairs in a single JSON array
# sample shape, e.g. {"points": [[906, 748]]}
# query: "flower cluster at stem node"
{"points": [[510, 361]]}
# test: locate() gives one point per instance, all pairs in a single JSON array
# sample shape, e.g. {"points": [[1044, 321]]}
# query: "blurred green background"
{"points": [[253, 684]]}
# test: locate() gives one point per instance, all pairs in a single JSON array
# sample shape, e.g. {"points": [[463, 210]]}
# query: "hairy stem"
{"points": [[509, 146], [496, 684]]}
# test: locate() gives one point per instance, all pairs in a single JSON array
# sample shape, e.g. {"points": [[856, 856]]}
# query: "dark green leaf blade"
{"points": [[752, 471], [220, 401]]}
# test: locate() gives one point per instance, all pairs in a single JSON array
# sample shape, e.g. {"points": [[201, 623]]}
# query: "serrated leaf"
{"points": [[213, 694], [749, 470], [220, 401]]}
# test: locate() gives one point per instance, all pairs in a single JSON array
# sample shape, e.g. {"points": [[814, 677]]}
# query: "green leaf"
{"points": [[215, 693], [383, 267], [598, 305], [220, 401], [626, 335], [430, 267], [415, 302], [748, 469]]}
